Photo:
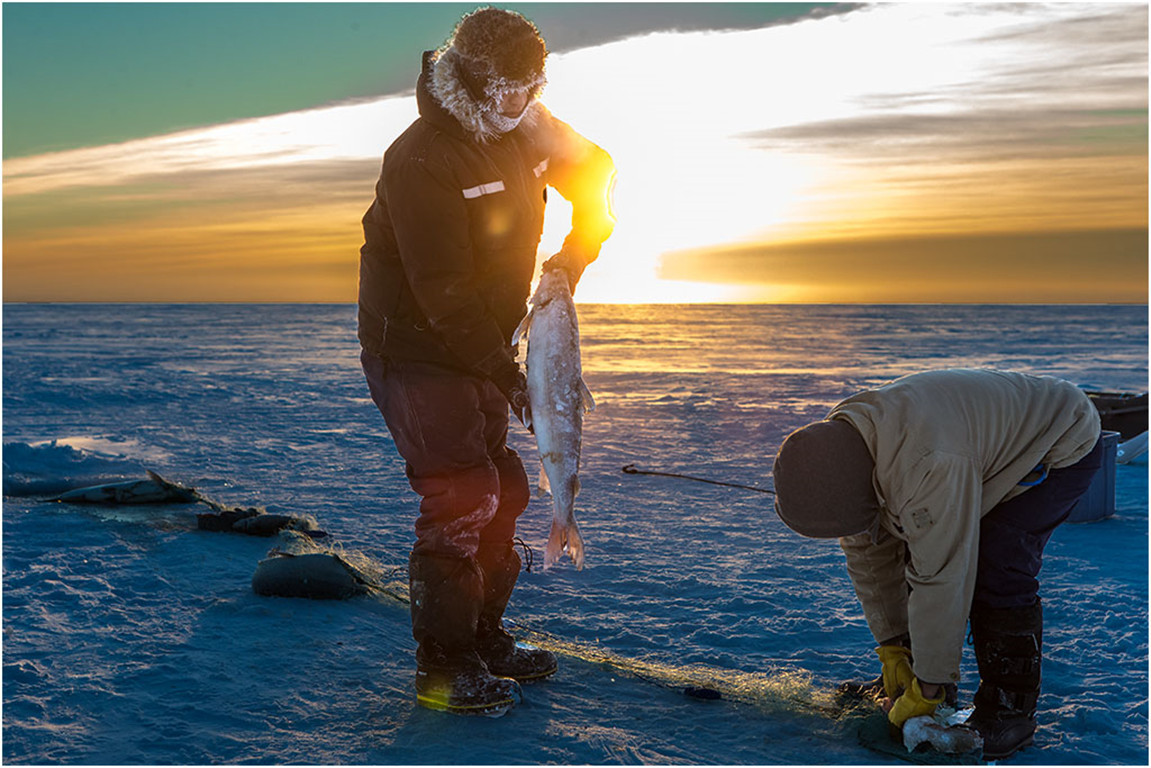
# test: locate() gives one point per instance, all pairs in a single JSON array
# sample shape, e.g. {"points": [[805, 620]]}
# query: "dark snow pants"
{"points": [[451, 429], [1013, 534]]}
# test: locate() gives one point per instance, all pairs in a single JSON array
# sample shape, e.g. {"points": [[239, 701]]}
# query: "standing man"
{"points": [[449, 253], [943, 489]]}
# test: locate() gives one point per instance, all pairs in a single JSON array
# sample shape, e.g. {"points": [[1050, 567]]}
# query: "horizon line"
{"points": [[300, 302]]}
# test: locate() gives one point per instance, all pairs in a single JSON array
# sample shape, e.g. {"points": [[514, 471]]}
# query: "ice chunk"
{"points": [[948, 739]]}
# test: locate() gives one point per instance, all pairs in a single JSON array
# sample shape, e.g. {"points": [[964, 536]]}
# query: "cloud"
{"points": [[330, 135], [1037, 82], [973, 136], [1075, 266]]}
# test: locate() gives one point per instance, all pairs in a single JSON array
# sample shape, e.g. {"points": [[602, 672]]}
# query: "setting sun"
{"points": [[684, 176]]}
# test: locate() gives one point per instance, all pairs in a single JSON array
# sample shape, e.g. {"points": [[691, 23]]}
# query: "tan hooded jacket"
{"points": [[948, 447]]}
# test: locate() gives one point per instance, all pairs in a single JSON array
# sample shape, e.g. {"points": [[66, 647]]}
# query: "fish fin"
{"points": [[157, 479], [545, 485], [585, 395], [575, 546], [522, 328], [556, 540]]}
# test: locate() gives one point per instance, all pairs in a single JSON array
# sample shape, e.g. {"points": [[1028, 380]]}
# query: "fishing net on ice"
{"points": [[778, 690]]}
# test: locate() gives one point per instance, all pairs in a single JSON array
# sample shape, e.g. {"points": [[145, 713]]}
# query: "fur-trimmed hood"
{"points": [[444, 82]]}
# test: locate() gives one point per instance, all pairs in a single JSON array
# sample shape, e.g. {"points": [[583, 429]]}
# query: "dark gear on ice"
{"points": [[943, 489], [449, 254]]}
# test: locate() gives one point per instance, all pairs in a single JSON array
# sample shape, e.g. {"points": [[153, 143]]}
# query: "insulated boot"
{"points": [[460, 683], [503, 655], [447, 594], [1009, 651]]}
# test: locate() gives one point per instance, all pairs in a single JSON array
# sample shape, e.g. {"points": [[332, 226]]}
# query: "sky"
{"points": [[899, 152]]}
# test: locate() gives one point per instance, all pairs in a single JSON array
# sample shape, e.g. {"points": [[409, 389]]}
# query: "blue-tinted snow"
{"points": [[129, 637]]}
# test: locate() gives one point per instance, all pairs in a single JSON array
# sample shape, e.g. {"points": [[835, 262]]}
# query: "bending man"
{"points": [[943, 489]]}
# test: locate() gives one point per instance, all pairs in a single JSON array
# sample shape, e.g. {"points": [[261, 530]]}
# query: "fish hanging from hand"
{"points": [[558, 398]]}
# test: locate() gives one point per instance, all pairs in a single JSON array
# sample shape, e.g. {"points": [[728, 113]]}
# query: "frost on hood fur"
{"points": [[481, 120]]}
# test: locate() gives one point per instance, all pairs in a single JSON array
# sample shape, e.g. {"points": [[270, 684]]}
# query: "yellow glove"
{"points": [[913, 704], [897, 674]]}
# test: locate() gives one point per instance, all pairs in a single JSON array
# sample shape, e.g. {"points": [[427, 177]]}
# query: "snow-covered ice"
{"points": [[131, 637]]}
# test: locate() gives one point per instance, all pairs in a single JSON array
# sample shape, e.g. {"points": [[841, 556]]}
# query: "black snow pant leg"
{"points": [[1006, 611], [1012, 536], [451, 429], [514, 494]]}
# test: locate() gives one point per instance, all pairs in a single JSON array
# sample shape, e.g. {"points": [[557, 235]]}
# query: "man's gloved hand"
{"points": [[514, 385], [570, 262], [912, 704], [897, 674]]}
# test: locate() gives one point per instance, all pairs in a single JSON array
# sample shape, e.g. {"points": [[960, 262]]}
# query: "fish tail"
{"points": [[564, 538]]}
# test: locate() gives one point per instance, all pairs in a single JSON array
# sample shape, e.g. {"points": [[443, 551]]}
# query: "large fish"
{"points": [[558, 399]]}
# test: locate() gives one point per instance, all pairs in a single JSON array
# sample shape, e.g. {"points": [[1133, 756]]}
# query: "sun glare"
{"points": [[685, 176]]}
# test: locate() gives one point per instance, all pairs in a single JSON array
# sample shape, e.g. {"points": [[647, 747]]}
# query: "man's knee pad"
{"points": [[455, 509]]}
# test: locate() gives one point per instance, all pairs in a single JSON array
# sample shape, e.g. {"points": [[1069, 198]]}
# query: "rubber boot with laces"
{"points": [[461, 683], [1009, 651], [446, 598], [503, 655]]}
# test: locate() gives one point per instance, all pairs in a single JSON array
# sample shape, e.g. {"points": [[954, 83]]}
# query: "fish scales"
{"points": [[558, 399]]}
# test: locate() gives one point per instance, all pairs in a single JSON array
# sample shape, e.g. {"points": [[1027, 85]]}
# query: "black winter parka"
{"points": [[451, 237]]}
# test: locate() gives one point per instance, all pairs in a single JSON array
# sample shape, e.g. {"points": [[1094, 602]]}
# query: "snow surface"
{"points": [[130, 637]]}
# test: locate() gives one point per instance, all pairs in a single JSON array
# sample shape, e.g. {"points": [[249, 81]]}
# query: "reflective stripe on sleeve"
{"points": [[483, 189]]}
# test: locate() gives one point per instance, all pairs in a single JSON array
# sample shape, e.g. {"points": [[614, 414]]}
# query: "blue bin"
{"points": [[1099, 501]]}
